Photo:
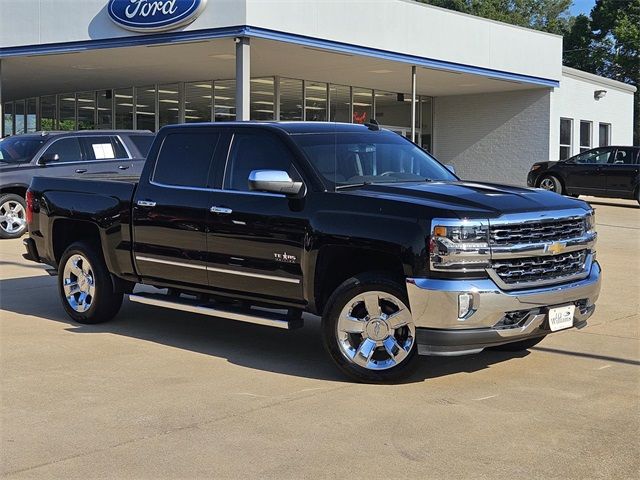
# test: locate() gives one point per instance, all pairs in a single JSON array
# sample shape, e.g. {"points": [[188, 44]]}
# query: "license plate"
{"points": [[561, 317]]}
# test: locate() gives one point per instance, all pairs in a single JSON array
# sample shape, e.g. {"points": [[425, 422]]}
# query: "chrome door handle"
{"points": [[81, 170], [146, 203], [123, 167], [222, 210]]}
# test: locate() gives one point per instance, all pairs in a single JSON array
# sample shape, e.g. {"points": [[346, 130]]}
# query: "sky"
{"points": [[581, 6]]}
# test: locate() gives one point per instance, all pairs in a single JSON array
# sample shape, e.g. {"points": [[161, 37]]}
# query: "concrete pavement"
{"points": [[159, 394]]}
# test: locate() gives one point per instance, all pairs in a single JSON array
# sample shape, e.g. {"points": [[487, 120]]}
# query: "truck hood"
{"points": [[471, 199]]}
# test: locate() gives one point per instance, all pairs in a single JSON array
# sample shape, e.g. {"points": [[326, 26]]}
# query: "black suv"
{"points": [[603, 172], [62, 154]]}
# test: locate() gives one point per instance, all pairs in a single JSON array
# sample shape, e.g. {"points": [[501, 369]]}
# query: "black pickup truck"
{"points": [[260, 222]]}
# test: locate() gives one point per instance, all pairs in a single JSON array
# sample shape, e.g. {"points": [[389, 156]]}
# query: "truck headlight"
{"points": [[590, 222], [459, 245]]}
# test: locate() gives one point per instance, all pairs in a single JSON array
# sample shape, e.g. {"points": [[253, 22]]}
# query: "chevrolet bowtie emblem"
{"points": [[556, 248]]}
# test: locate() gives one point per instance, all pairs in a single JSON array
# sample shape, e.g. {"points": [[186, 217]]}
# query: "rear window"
{"points": [[142, 143], [185, 158]]}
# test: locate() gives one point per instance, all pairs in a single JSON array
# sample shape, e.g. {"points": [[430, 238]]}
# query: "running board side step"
{"points": [[269, 318]]}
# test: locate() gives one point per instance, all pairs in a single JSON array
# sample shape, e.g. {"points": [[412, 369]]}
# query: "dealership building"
{"points": [[487, 97]]}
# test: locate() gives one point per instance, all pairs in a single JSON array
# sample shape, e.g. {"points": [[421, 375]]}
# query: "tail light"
{"points": [[29, 201]]}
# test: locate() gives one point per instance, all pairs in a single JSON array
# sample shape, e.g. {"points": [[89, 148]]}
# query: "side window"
{"points": [[597, 156], [101, 148], [142, 143], [255, 151], [121, 152], [624, 156], [68, 149], [185, 158]]}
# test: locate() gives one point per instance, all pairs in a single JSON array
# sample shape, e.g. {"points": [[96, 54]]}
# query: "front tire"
{"points": [[519, 346], [13, 216], [85, 286], [551, 183], [368, 330]]}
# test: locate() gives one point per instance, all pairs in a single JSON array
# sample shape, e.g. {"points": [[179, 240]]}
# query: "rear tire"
{"points": [[550, 183], [368, 330], [85, 285], [519, 346], [13, 216]]}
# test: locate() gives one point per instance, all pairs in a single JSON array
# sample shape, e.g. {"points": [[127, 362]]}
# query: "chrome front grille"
{"points": [[537, 232], [543, 268]]}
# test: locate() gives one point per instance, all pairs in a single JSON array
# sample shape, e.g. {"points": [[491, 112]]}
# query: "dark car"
{"points": [[602, 172], [260, 222], [62, 154]]}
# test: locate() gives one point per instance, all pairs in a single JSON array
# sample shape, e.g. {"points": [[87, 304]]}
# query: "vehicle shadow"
{"points": [[296, 352]]}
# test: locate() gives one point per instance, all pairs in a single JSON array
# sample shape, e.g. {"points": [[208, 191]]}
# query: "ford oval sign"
{"points": [[154, 15]]}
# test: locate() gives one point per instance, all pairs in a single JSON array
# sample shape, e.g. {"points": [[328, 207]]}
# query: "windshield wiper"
{"points": [[353, 185]]}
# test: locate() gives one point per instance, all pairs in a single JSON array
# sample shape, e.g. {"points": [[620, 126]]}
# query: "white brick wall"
{"points": [[493, 137]]}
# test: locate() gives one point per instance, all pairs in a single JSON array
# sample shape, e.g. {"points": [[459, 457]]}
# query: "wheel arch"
{"points": [[16, 189]]}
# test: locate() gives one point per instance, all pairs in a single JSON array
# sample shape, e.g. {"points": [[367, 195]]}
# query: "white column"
{"points": [[413, 103], [243, 78], [1, 104]]}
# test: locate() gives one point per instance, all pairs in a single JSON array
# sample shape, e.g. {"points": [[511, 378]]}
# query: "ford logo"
{"points": [[154, 15]]}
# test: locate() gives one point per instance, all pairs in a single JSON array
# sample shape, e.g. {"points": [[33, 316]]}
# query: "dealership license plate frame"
{"points": [[561, 318]]}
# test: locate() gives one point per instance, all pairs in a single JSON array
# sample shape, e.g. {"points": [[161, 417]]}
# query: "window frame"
{"points": [[258, 131], [608, 139], [564, 145], [584, 148], [212, 165], [46, 148]]}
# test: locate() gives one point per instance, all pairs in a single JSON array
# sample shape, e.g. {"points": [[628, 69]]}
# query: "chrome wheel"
{"points": [[12, 217], [547, 183], [375, 330], [78, 283]]}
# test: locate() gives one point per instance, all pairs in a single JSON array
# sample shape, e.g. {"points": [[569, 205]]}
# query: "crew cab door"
{"points": [[622, 172], [171, 207], [586, 174], [256, 239]]}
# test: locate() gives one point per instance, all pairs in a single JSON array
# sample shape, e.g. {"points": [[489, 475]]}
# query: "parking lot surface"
{"points": [[162, 394]]}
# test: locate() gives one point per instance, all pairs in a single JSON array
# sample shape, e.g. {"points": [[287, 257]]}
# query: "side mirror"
{"points": [[48, 158], [274, 181], [451, 168]]}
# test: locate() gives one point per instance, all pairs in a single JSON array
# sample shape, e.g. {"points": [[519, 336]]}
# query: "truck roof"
{"points": [[291, 128]]}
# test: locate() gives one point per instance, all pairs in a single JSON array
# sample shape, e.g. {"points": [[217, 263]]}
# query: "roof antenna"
{"points": [[372, 125]]}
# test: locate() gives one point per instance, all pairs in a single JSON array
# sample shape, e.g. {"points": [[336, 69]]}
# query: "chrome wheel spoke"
{"points": [[351, 324], [393, 349], [372, 304], [71, 288], [399, 319], [365, 352]]}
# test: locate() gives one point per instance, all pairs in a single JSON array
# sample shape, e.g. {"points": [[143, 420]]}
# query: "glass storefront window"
{"points": [[104, 109], [198, 101], [393, 109], [146, 108], [7, 122], [262, 99], [19, 115], [86, 110], [169, 104], [124, 108], [48, 114], [290, 99], [426, 123], [224, 100], [67, 102], [32, 115], [315, 101], [362, 105], [340, 103]]}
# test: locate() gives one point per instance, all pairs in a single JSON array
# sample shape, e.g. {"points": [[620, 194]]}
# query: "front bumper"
{"points": [[496, 317]]}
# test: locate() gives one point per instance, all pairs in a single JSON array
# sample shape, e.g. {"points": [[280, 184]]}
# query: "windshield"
{"points": [[19, 149], [345, 159]]}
